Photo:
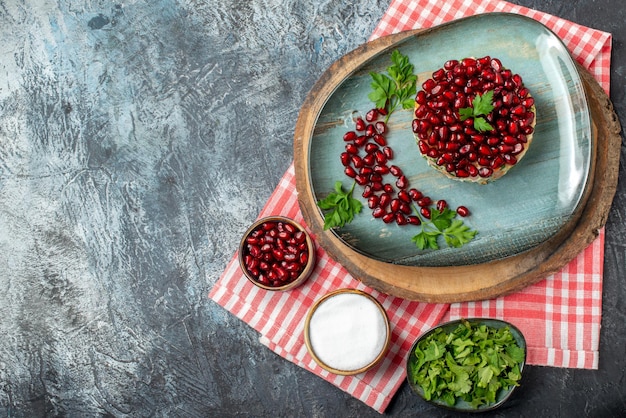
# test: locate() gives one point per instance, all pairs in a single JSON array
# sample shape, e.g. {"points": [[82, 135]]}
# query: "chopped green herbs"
{"points": [[472, 363]]}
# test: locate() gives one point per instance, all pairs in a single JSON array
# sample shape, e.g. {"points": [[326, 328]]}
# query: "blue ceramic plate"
{"points": [[501, 396], [527, 206]]}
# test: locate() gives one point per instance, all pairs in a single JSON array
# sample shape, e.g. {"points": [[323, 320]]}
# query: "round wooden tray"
{"points": [[476, 281]]}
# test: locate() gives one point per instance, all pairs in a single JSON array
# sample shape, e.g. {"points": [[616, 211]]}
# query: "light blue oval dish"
{"points": [[519, 211]]}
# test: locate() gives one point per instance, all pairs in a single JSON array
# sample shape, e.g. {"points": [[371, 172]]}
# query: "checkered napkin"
{"points": [[559, 316]]}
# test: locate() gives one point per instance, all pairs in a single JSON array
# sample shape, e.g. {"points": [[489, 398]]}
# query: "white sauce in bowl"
{"points": [[347, 331]]}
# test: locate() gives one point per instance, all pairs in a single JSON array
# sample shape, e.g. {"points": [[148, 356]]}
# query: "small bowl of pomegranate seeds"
{"points": [[277, 253]]}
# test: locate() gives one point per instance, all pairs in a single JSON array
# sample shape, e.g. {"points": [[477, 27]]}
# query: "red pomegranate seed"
{"points": [[384, 200], [441, 205], [357, 161], [360, 124], [352, 149], [389, 217], [371, 148], [345, 158], [413, 220], [462, 211], [349, 136], [395, 171], [404, 196], [415, 194], [378, 212], [380, 140], [402, 182], [381, 169], [371, 115], [425, 212]]}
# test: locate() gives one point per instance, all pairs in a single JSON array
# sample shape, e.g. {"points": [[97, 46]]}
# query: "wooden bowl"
{"points": [[284, 261]]}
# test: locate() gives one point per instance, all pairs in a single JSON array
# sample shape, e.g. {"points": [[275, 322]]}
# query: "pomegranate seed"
{"points": [[384, 200], [360, 124], [424, 201], [345, 158], [450, 64], [371, 115], [370, 131], [461, 173], [413, 220], [462, 211], [389, 217], [349, 136], [381, 127], [381, 169], [401, 219], [485, 172], [402, 182], [352, 149], [369, 160], [510, 159], [349, 171], [380, 140], [425, 212], [388, 152], [376, 178], [378, 212], [361, 180], [395, 170], [357, 161], [360, 140], [428, 85], [380, 157], [441, 205], [415, 194], [373, 201]]}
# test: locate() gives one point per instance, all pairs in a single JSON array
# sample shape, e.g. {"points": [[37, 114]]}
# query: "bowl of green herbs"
{"points": [[469, 365]]}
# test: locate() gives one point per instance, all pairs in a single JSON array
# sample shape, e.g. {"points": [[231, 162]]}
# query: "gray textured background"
{"points": [[138, 140]]}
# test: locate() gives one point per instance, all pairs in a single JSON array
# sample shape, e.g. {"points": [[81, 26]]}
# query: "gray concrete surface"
{"points": [[138, 140]]}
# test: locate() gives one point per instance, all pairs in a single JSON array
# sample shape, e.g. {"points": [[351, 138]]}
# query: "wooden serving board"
{"points": [[475, 281]]}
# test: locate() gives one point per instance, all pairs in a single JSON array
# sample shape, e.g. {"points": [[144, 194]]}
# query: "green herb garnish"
{"points": [[455, 232], [471, 363], [398, 88], [481, 106], [340, 207]]}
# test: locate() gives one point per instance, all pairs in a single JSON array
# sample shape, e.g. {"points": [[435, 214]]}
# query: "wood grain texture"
{"points": [[474, 281]]}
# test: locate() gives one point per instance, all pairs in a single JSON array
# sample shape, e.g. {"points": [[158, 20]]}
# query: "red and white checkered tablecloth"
{"points": [[559, 316]]}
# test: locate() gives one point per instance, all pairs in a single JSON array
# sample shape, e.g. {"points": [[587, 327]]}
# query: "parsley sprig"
{"points": [[397, 87], [443, 223], [481, 106], [340, 207]]}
